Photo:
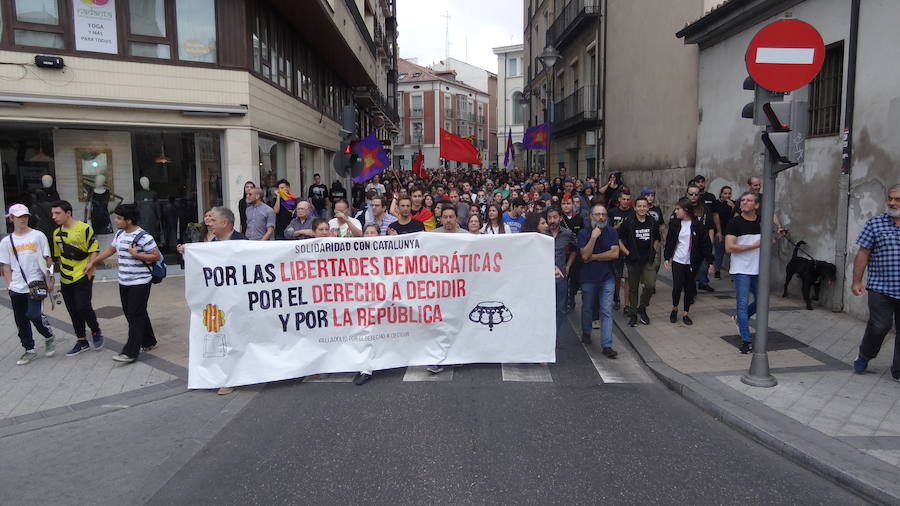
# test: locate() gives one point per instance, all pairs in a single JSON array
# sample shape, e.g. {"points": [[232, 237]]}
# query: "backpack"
{"points": [[158, 269]]}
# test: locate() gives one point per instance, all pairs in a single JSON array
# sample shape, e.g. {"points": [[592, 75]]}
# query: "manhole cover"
{"points": [[109, 312], [777, 341]]}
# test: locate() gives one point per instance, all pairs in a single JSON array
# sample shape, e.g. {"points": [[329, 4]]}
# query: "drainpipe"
{"points": [[602, 26], [843, 216]]}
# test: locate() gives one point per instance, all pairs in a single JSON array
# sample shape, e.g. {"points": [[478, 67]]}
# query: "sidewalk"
{"points": [[843, 425], [82, 385]]}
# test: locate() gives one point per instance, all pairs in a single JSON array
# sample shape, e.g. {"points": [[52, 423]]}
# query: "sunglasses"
{"points": [[693, 194]]}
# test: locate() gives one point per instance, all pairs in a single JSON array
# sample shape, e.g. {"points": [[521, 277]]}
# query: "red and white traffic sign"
{"points": [[785, 55]]}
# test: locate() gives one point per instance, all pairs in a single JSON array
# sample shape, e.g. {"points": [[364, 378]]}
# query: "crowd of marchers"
{"points": [[610, 242]]}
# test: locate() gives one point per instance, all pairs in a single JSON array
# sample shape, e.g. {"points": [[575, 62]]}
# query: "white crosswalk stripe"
{"points": [[421, 374], [624, 369], [535, 373]]}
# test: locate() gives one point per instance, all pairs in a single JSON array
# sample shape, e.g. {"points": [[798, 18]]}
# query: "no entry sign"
{"points": [[785, 55]]}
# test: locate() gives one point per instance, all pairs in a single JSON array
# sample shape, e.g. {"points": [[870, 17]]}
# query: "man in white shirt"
{"points": [[344, 225], [25, 255]]}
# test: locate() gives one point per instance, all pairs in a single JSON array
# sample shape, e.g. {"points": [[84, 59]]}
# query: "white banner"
{"points": [[267, 311], [95, 26]]}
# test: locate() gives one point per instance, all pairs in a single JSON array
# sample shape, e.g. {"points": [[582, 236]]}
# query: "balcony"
{"points": [[576, 15], [368, 96], [577, 110], [464, 116]]}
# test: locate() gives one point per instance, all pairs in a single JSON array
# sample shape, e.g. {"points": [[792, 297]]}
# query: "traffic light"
{"points": [[777, 137], [753, 110], [347, 162]]}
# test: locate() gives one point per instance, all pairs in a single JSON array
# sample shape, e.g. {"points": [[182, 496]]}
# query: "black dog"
{"points": [[810, 272]]}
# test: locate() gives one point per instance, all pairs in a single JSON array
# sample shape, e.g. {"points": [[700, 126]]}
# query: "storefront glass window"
{"points": [[148, 17], [26, 157], [150, 50], [196, 30], [44, 12], [271, 166]]}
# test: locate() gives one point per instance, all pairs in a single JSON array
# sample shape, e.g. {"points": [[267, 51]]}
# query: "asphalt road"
{"points": [[480, 440]]}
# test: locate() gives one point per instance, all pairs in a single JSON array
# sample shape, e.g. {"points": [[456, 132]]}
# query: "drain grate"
{"points": [[109, 312], [777, 341]]}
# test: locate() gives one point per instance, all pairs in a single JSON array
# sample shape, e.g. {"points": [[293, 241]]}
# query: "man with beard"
{"points": [[879, 250], [599, 248], [617, 216]]}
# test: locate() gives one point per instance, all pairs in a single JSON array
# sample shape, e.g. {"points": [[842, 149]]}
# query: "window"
{"points": [[825, 92], [36, 23], [147, 17], [196, 30], [447, 125], [512, 67], [417, 132], [448, 108], [517, 108], [417, 109]]}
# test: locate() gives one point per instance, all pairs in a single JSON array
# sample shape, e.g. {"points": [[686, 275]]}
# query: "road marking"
{"points": [[786, 55], [420, 374], [336, 377], [624, 369], [526, 372]]}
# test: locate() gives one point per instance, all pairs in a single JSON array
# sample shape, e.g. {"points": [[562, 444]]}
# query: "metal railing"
{"points": [[581, 105], [573, 13], [416, 112]]}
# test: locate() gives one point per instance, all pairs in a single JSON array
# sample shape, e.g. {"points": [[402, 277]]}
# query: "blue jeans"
{"points": [[602, 292], [703, 274], [719, 253], [26, 313], [562, 291], [744, 285]]}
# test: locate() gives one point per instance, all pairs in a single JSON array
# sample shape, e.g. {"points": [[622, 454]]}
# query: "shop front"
{"points": [[172, 175]]}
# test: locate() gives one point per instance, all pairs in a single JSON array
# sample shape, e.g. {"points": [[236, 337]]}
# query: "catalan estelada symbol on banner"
{"points": [[213, 318]]}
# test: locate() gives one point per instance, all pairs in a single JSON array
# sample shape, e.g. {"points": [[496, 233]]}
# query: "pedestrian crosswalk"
{"points": [[625, 369]]}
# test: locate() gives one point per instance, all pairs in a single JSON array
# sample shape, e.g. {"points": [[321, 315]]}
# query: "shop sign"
{"points": [[95, 26]]}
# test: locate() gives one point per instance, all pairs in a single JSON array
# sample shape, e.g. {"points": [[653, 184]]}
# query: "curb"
{"points": [[871, 478]]}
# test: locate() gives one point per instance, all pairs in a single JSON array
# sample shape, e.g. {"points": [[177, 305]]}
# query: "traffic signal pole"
{"points": [[759, 374]]}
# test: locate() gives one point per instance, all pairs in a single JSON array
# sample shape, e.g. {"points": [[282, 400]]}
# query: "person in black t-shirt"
{"points": [[318, 195], [405, 224], [724, 210], [574, 222], [617, 216], [638, 240], [336, 193]]}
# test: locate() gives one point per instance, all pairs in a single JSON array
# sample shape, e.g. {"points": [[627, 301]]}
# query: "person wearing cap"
{"points": [[25, 255]]}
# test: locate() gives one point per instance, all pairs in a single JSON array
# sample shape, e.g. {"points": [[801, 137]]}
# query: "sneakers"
{"points": [[586, 339], [361, 378], [746, 347], [687, 320], [434, 369], [632, 320], [706, 288], [860, 365], [121, 357], [673, 316], [595, 324], [49, 346], [609, 352], [27, 357], [642, 316], [149, 348], [97, 338], [81, 345]]}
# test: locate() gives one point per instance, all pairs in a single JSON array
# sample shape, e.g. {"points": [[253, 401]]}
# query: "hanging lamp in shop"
{"points": [[162, 158], [41, 157]]}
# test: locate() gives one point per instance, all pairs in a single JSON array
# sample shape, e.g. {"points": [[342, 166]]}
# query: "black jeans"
{"points": [[683, 279], [77, 297], [29, 312], [140, 331], [882, 309]]}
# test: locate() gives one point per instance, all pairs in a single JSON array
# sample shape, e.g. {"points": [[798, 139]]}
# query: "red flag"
{"points": [[418, 167], [458, 149]]}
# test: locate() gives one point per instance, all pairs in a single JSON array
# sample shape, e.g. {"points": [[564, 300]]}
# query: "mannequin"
{"points": [[98, 206], [42, 199], [149, 207]]}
